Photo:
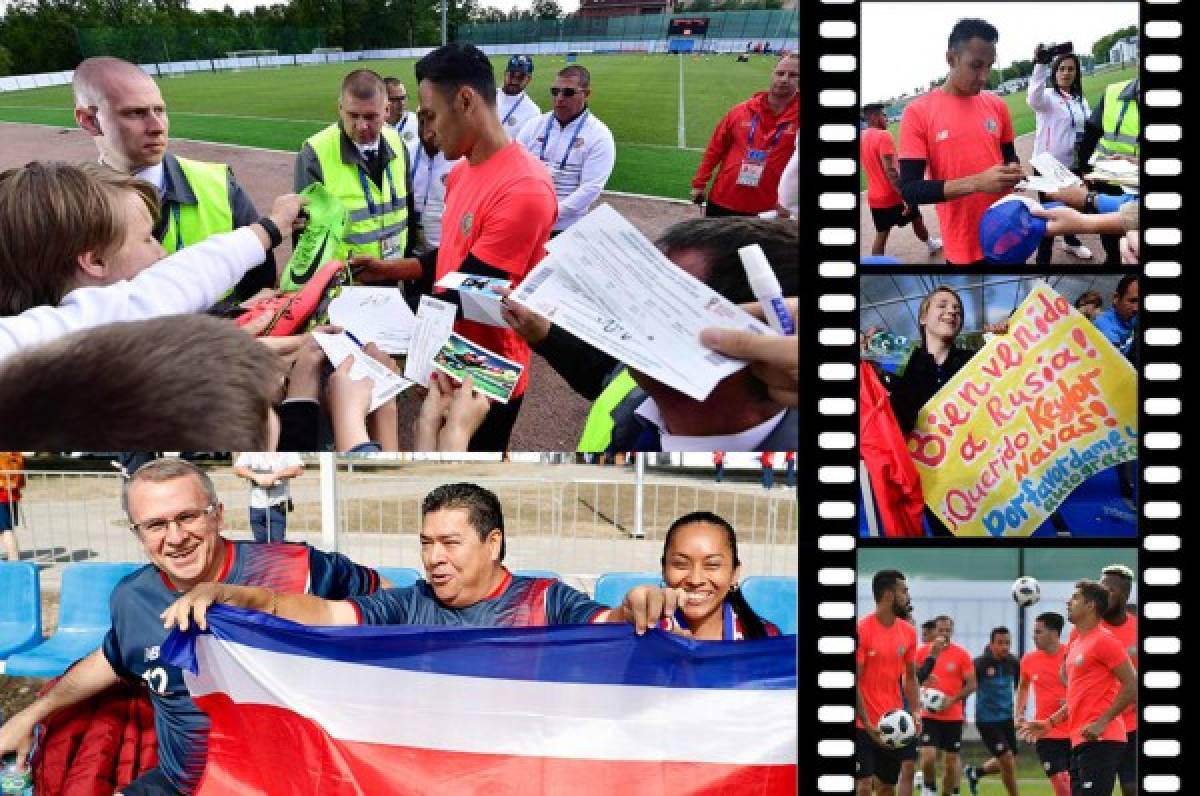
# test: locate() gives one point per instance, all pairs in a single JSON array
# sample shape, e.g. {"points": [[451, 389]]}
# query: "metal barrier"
{"points": [[557, 517]]}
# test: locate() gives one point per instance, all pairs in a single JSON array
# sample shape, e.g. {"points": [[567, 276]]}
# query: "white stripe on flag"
{"points": [[371, 704]]}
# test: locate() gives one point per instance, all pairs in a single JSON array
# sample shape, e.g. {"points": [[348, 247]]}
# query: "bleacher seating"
{"points": [[773, 597], [399, 576], [611, 587], [83, 619], [20, 608]]}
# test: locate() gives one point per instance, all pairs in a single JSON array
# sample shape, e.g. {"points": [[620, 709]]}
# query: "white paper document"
{"points": [[435, 321], [608, 285], [385, 385], [479, 302], [1053, 172], [378, 315]]}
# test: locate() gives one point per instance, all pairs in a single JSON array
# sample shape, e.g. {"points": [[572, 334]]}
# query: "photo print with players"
{"points": [[839, 243]]}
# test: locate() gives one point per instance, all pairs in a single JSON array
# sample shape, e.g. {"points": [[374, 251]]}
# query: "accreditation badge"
{"points": [[391, 247], [751, 171]]}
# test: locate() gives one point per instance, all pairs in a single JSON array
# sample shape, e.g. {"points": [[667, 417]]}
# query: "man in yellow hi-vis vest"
{"points": [[1113, 130], [363, 162], [121, 107]]}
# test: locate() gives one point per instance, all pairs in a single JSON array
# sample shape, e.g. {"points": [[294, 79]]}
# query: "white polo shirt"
{"points": [[513, 112], [429, 191], [580, 157], [406, 127]]}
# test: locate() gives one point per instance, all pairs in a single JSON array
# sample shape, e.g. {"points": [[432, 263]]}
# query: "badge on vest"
{"points": [[391, 247]]}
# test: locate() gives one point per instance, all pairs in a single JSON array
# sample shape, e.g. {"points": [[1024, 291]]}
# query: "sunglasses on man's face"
{"points": [[401, 98], [566, 92]]}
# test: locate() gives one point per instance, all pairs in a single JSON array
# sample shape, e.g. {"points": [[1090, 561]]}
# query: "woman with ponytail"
{"points": [[700, 556]]}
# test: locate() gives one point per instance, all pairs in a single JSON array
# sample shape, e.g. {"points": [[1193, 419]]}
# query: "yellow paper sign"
{"points": [[1035, 413]]}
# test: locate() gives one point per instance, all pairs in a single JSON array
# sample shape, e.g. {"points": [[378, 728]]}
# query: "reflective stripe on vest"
{"points": [[598, 430], [212, 214], [1121, 122], [366, 229]]}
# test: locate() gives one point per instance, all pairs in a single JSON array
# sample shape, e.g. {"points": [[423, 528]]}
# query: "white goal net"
{"points": [[253, 59]]}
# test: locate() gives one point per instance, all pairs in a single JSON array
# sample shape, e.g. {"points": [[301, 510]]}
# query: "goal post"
{"points": [[263, 59], [329, 55]]}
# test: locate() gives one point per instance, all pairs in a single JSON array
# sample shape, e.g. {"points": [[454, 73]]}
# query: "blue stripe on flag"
{"points": [[600, 654]]}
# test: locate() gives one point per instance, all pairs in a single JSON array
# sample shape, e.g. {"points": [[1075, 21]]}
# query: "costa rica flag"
{"points": [[580, 709]]}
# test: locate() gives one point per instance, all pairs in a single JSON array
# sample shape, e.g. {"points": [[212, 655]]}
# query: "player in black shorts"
{"points": [[880, 762], [888, 210]]}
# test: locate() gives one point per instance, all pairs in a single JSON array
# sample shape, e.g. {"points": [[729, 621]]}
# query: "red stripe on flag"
{"points": [[262, 749]]}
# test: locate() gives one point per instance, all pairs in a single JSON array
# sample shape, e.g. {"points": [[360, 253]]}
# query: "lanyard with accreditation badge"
{"points": [[571, 143], [750, 173], [389, 245], [513, 109], [428, 175]]}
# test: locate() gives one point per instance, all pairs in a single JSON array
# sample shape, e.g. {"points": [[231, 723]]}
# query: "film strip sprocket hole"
{"points": [[829, 45]]}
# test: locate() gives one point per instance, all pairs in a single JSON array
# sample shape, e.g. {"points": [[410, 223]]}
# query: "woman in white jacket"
{"points": [[1056, 96]]}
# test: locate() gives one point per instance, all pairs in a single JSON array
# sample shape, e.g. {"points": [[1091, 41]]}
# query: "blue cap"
{"points": [[520, 63], [1009, 231]]}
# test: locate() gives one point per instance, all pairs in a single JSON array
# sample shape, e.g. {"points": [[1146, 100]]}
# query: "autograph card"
{"points": [[491, 374], [435, 320], [479, 302], [385, 385]]}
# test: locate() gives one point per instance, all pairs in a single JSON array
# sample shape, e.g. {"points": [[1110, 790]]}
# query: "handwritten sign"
{"points": [[1035, 413]]}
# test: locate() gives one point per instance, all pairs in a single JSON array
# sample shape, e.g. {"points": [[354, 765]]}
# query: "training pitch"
{"points": [[661, 108]]}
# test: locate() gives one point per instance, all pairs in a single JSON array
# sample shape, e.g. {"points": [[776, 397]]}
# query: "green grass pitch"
{"points": [[637, 96]]}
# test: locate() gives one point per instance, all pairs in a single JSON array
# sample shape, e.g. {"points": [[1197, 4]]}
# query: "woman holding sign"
{"points": [[934, 363]]}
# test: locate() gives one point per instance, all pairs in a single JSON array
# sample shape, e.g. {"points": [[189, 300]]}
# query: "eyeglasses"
{"points": [[566, 92], [187, 520], [398, 99]]}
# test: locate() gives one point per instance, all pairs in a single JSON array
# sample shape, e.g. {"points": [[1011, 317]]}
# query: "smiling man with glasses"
{"points": [[576, 147], [174, 512]]}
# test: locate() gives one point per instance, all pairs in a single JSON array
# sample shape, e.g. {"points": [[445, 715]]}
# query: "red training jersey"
{"points": [[1091, 685], [957, 137], [873, 144], [1043, 671], [501, 211], [1127, 634], [883, 654], [775, 133], [949, 675]]}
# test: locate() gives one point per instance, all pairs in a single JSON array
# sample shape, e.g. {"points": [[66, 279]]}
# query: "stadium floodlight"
{"points": [[262, 59]]}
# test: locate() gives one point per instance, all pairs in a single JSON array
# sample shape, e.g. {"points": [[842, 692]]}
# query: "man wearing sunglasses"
{"points": [[513, 103], [174, 512], [577, 148], [399, 118]]}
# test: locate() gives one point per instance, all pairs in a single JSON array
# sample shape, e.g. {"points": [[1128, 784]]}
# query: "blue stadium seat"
{"points": [[611, 587], [773, 597], [20, 607], [83, 619], [537, 573], [399, 576]]}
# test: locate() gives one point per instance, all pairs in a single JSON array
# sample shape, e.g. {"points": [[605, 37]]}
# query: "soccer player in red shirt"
{"points": [[878, 157], [946, 667], [956, 143], [1041, 672], [1123, 624], [885, 656], [500, 208], [1101, 683]]}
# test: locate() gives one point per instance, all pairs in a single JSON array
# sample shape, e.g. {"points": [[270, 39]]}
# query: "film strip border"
{"points": [[829, 85]]}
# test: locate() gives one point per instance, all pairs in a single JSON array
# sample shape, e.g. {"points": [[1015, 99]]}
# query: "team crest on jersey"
{"points": [[990, 125], [870, 653], [150, 654], [901, 650], [467, 219], [1079, 659], [952, 667], [942, 135]]}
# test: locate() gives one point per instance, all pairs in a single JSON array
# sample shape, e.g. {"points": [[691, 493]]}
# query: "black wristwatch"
{"points": [[272, 231], [1089, 204]]}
